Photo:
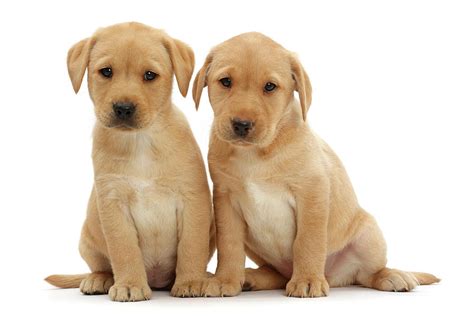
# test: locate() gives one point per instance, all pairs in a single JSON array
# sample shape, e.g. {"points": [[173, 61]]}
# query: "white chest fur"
{"points": [[268, 210], [154, 211]]}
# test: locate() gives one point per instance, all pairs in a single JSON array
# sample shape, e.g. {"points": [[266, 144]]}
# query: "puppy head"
{"points": [[130, 72], [251, 81]]}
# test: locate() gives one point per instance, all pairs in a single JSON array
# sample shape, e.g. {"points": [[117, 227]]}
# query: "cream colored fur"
{"points": [[281, 195], [149, 222]]}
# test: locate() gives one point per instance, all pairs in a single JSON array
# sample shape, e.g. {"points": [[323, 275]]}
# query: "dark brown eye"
{"points": [[149, 75], [226, 82], [270, 86], [106, 72]]}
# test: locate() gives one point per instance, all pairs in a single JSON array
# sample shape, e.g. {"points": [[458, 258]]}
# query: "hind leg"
{"points": [[101, 278], [363, 262], [370, 249], [97, 283], [373, 273], [263, 278], [93, 249]]}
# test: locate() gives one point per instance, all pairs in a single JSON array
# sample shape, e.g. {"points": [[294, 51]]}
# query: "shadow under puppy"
{"points": [[281, 195], [149, 220]]}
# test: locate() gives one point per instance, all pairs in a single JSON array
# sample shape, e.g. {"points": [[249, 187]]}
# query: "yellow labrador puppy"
{"points": [[149, 220], [281, 195]]}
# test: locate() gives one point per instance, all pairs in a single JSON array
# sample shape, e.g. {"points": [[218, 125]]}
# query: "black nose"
{"points": [[124, 110], [241, 127]]}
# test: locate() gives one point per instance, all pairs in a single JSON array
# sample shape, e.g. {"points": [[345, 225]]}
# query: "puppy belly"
{"points": [[154, 213], [269, 213], [160, 276]]}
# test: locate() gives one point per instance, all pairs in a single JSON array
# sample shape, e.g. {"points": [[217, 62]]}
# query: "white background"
{"points": [[393, 95]]}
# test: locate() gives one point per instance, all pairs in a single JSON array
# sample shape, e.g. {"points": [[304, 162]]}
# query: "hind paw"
{"points": [[97, 283], [395, 281]]}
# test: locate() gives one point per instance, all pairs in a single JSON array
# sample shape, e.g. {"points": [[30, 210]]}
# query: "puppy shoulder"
{"points": [[178, 117]]}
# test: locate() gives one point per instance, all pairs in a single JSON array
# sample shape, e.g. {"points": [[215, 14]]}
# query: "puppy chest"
{"points": [[268, 210]]}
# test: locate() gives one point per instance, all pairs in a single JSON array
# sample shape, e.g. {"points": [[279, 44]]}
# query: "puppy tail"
{"points": [[425, 278], [66, 281]]}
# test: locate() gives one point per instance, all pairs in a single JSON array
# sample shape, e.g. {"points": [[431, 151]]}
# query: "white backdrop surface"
{"points": [[393, 95]]}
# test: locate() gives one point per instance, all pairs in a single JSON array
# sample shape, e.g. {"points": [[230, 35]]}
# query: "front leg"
{"points": [[230, 273], [130, 280], [194, 224], [310, 245]]}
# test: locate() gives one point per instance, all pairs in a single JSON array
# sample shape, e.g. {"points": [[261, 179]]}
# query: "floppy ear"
{"points": [[77, 60], [302, 85], [182, 59], [201, 81]]}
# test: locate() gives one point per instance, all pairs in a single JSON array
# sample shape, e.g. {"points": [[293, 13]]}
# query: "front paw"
{"points": [[307, 287], [129, 293], [216, 287], [192, 288]]}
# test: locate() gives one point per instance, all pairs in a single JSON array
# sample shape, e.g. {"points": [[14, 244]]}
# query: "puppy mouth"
{"points": [[236, 140], [241, 142], [123, 126], [251, 140]]}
